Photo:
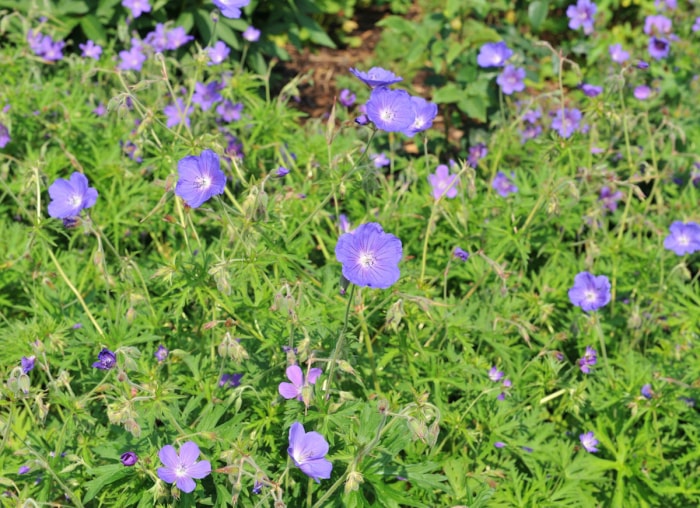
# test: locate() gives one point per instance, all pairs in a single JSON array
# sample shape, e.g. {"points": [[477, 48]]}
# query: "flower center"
{"points": [[180, 471], [387, 115], [75, 200], [590, 295], [203, 182], [683, 240], [367, 259]]}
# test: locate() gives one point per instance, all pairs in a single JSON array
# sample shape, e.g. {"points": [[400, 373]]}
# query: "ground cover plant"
{"points": [[472, 282]]}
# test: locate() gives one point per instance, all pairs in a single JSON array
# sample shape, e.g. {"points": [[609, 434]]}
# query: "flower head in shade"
{"points": [[591, 90], [443, 183], [218, 53], [589, 442], [641, 92], [659, 47], [27, 363], [582, 15], [183, 468], [696, 25], [495, 375], [647, 392], [52, 50], [380, 160], [23, 469], [308, 451], [588, 360], [129, 458], [230, 380], [199, 178], [683, 238], [161, 353], [511, 79], [390, 110], [206, 95], [346, 97], [658, 25], [137, 7], [493, 54], [476, 153], [231, 8], [566, 121], [502, 184], [228, 111], [90, 50], [281, 172], [106, 360], [158, 38], [424, 112], [294, 389], [376, 76], [131, 60], [100, 110], [251, 34], [460, 253], [609, 198], [4, 135], [617, 54], [177, 37], [666, 4], [590, 292], [69, 197], [370, 257], [176, 114]]}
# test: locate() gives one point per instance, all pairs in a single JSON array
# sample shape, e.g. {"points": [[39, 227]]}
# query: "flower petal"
{"points": [[200, 469], [189, 452], [289, 391], [168, 456], [185, 484], [319, 469]]}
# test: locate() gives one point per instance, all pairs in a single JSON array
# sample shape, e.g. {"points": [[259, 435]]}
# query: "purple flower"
{"points": [[380, 160], [218, 53], [199, 178], [530, 131], [566, 121], [499, 444], [424, 112], [344, 223], [696, 25], [460, 253], [228, 111], [590, 292], [376, 76], [106, 360], [308, 450], [231, 8], [27, 363], [281, 172], [177, 37], [609, 198], [642, 92], [657, 25], [230, 380], [502, 184], [129, 458], [23, 469], [588, 360], [647, 392], [158, 38], [69, 197], [390, 110], [137, 7], [251, 34], [131, 60], [294, 389], [181, 469], [91, 50], [666, 4], [495, 375], [493, 54], [36, 42], [684, 238], [617, 54], [659, 47], [346, 98], [369, 256], [476, 153], [589, 442], [176, 114], [591, 90], [206, 95], [642, 65], [100, 110], [53, 51], [4, 135], [512, 79], [443, 183], [582, 15], [161, 353]]}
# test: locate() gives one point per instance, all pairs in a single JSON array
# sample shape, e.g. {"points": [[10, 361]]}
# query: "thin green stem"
{"points": [[431, 223], [340, 342]]}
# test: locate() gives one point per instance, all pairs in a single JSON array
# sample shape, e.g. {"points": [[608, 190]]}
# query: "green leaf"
{"points": [[93, 29], [448, 94], [537, 13], [106, 475]]}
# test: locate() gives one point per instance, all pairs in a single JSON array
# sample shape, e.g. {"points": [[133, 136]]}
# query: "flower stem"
{"points": [[340, 342], [431, 223]]}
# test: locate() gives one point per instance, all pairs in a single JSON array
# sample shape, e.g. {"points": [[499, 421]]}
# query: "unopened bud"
{"points": [[353, 482]]}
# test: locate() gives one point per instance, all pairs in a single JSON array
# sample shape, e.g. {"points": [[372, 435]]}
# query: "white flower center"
{"points": [[180, 471], [75, 200], [387, 115], [590, 295], [683, 240], [367, 259], [203, 182]]}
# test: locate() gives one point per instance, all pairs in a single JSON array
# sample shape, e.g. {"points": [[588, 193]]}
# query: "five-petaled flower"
{"points": [[231, 8], [200, 178], [69, 197], [493, 54], [182, 469], [390, 110], [582, 15], [443, 183], [683, 238], [502, 184], [294, 389], [588, 360], [308, 450], [370, 257], [376, 76], [590, 292], [589, 442], [106, 360], [511, 79]]}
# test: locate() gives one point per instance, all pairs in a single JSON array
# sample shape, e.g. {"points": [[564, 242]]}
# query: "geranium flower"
{"points": [[369, 256], [199, 178]]}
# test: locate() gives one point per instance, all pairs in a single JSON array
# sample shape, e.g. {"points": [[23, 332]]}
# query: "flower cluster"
{"points": [[393, 110], [496, 54], [44, 46]]}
